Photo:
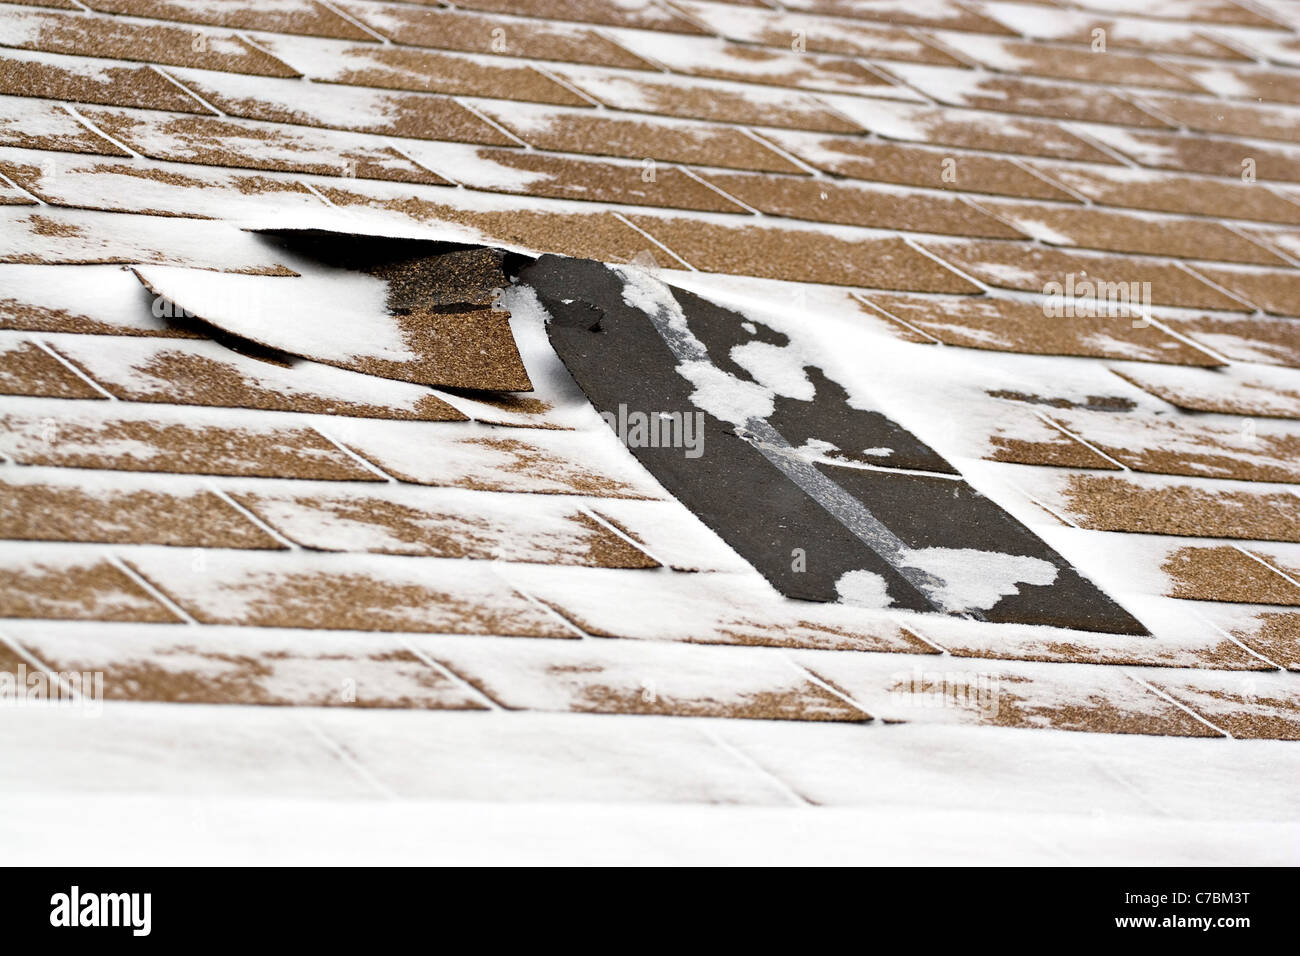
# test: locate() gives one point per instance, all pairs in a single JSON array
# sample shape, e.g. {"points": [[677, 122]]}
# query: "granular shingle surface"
{"points": [[993, 507]]}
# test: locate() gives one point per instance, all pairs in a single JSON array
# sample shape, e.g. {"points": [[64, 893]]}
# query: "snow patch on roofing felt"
{"points": [[975, 580], [863, 589]]}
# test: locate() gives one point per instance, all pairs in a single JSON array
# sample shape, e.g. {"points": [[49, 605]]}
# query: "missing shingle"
{"points": [[821, 496]]}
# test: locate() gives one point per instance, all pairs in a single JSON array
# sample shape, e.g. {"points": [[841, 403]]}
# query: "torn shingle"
{"points": [[395, 309]]}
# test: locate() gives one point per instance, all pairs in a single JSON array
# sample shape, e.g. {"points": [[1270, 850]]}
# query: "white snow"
{"points": [[976, 580], [863, 589]]}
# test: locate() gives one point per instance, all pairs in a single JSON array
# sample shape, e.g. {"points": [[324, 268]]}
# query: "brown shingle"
{"points": [[1030, 269], [708, 100], [73, 509], [822, 201], [625, 677], [1198, 153], [595, 235], [407, 68], [1169, 192], [166, 665], [1242, 393], [1255, 708], [87, 35], [822, 34], [38, 125], [76, 299], [1012, 325], [940, 13], [918, 166], [800, 255], [604, 134], [492, 458], [72, 588], [1275, 634], [1072, 63], [84, 80], [1014, 94], [1246, 82], [138, 444], [27, 369], [445, 525], [1273, 290], [52, 236], [1076, 697], [1237, 119], [157, 189], [1244, 338], [348, 592], [1113, 231], [746, 63], [645, 16], [1189, 446], [1186, 39], [285, 16], [204, 373], [1114, 503], [474, 33], [417, 115], [1225, 573], [974, 129], [1019, 435], [565, 177], [213, 141]]}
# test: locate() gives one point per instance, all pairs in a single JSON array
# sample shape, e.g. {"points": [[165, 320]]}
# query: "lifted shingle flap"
{"points": [[823, 498], [412, 310]]}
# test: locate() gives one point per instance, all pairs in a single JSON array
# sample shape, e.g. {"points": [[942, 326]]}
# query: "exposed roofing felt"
{"points": [[331, 335]]}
